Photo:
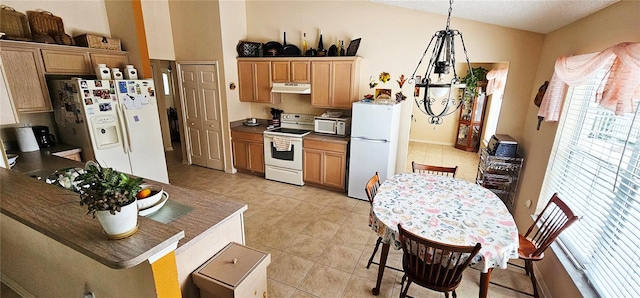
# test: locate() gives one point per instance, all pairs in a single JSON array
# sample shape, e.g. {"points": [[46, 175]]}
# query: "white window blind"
{"points": [[595, 168]]}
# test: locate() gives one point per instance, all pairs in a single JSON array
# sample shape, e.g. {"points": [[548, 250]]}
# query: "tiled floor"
{"points": [[319, 240]]}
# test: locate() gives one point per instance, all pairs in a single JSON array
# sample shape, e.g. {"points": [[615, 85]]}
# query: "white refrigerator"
{"points": [[374, 144], [115, 122]]}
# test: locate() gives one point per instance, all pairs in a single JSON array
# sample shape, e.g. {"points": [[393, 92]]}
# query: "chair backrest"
{"points": [[554, 218], [372, 187], [432, 264], [434, 170]]}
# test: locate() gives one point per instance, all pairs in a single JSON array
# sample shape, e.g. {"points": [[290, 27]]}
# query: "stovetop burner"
{"points": [[289, 131]]}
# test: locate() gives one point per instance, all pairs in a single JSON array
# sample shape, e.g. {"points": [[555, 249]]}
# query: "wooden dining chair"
{"points": [[433, 265], [434, 170], [554, 218], [372, 189]]}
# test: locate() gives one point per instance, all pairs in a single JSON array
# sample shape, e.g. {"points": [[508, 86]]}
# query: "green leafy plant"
{"points": [[105, 189], [479, 74]]}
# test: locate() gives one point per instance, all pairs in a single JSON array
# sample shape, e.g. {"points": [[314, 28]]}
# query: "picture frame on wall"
{"points": [[383, 94]]}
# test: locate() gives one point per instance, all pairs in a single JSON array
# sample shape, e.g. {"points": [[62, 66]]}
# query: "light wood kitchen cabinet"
{"points": [[112, 60], [324, 163], [26, 63], [290, 71], [65, 62], [248, 151], [25, 77], [8, 114], [334, 83], [254, 80]]}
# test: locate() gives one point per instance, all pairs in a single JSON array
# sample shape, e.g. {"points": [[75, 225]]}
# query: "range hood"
{"points": [[291, 88]]}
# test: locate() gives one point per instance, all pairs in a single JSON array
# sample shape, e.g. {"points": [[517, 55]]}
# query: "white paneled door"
{"points": [[202, 114]]}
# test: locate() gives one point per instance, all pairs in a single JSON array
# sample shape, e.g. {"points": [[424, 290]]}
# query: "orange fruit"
{"points": [[143, 193]]}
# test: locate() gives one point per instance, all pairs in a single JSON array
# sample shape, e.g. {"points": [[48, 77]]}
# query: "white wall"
{"points": [[79, 17], [157, 24]]}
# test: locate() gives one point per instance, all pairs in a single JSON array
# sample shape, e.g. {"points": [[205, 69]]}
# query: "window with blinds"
{"points": [[595, 168]]}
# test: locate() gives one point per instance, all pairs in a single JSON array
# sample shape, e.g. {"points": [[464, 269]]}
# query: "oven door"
{"points": [[291, 159]]}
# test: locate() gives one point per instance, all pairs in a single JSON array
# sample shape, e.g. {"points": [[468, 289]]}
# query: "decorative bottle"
{"points": [[341, 52], [320, 45], [304, 43]]}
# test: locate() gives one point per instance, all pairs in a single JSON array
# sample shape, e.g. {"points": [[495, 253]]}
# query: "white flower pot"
{"points": [[121, 225]]}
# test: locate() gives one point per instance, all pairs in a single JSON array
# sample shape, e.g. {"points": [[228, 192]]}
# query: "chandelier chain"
{"points": [[449, 15]]}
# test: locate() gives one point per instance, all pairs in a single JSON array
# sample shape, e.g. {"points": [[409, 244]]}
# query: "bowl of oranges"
{"points": [[149, 195]]}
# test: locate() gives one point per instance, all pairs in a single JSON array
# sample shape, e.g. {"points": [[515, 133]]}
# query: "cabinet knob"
{"points": [[192, 123], [212, 125]]}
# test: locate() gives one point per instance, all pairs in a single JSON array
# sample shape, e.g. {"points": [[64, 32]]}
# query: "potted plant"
{"points": [[111, 197], [471, 80]]}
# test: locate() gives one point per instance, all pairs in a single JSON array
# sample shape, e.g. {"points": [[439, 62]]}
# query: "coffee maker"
{"points": [[43, 137]]}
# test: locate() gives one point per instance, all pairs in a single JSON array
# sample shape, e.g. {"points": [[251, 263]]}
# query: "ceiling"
{"points": [[541, 16]]}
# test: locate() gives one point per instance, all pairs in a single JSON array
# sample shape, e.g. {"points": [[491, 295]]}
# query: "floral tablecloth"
{"points": [[447, 210]]}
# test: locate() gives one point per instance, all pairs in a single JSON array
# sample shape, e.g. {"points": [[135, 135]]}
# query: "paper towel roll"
{"points": [[26, 139]]}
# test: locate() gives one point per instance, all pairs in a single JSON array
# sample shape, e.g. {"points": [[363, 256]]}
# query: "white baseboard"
{"points": [[16, 287]]}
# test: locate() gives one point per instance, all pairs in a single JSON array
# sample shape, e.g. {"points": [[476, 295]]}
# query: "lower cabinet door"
{"points": [[240, 154], [256, 157], [312, 166], [334, 166]]}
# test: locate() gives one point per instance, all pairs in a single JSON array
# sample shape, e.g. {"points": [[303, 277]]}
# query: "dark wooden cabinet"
{"points": [[471, 120]]}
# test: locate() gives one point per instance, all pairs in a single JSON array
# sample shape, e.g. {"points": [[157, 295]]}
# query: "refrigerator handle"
{"points": [[370, 140], [122, 129], [126, 128]]}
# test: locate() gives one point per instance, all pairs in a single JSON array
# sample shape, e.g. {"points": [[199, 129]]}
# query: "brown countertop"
{"points": [[238, 126], [56, 213], [326, 138]]}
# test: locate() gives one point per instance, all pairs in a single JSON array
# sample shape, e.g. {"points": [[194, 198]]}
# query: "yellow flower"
{"points": [[384, 77]]}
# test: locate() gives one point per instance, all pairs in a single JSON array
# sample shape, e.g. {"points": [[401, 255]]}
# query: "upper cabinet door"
{"points": [[321, 84], [8, 113], [118, 60], [25, 76], [343, 90], [300, 72], [246, 82], [64, 62], [263, 82], [280, 71]]}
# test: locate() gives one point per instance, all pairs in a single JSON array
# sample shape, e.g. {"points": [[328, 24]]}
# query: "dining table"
{"points": [[447, 210]]}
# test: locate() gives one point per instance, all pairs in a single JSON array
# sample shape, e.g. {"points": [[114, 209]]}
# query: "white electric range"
{"points": [[283, 148]]}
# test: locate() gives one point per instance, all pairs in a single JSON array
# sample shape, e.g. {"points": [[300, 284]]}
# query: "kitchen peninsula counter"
{"points": [[56, 213]]}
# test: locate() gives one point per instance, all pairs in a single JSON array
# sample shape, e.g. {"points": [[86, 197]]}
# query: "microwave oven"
{"points": [[340, 127]]}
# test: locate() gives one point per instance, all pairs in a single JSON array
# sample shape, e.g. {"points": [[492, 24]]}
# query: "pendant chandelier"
{"points": [[442, 59]]}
